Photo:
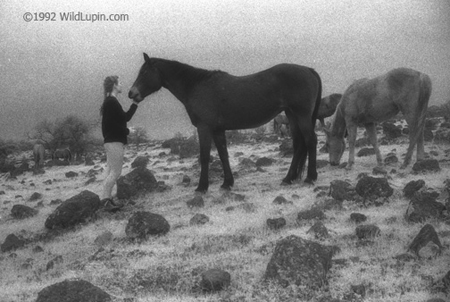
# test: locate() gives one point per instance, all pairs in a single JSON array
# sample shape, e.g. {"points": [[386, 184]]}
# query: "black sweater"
{"points": [[114, 121]]}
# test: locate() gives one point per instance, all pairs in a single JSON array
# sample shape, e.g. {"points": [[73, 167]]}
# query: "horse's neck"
{"points": [[180, 78], [339, 126]]}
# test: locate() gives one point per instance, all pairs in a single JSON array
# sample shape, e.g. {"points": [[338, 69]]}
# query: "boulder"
{"points": [[276, 223], [412, 187], [73, 291], [138, 181], [423, 205], [199, 219], [75, 210], [20, 211], [319, 230], [214, 280], [367, 231], [12, 242], [373, 188], [357, 217], [314, 213], [264, 162], [427, 234], [365, 152], [144, 224], [296, 261], [196, 202], [426, 165], [342, 190], [140, 161], [391, 131]]}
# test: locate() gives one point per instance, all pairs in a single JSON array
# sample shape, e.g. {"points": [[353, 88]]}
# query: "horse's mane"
{"points": [[190, 75]]}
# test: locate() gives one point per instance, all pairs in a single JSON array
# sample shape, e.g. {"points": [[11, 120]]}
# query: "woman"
{"points": [[115, 131]]}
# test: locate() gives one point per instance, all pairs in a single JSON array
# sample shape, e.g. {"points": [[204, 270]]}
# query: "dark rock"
{"points": [[186, 180], [104, 239], [297, 261], [71, 174], [367, 231], [75, 210], [319, 230], [314, 213], [391, 159], [412, 187], [426, 165], [199, 219], [35, 196], [281, 200], [55, 261], [143, 224], [286, 148], [196, 202], [12, 242], [423, 205], [379, 171], [73, 291], [276, 223], [19, 211], [366, 152], [320, 163], [215, 280], [264, 162], [38, 249], [140, 161], [342, 190], [427, 234], [372, 188], [140, 180], [357, 217]]}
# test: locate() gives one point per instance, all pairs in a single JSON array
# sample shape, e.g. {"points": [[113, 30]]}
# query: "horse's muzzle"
{"points": [[134, 94]]}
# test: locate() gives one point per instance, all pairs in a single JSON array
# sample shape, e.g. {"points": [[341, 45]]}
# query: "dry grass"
{"points": [[238, 241]]}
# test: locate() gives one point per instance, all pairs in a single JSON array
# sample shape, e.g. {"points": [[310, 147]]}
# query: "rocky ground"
{"points": [[361, 235]]}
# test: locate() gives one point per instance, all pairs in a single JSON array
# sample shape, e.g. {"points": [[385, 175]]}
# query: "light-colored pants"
{"points": [[114, 162]]}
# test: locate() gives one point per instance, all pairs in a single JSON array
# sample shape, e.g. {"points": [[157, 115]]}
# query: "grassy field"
{"points": [[236, 238]]}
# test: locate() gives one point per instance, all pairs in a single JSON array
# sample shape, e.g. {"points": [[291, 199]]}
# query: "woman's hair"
{"points": [[108, 85]]}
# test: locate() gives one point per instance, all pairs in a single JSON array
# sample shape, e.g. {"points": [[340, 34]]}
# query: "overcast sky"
{"points": [[50, 69]]}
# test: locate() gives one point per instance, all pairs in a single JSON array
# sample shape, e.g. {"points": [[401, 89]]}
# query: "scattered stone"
{"points": [[199, 219], [71, 174], [319, 230], [186, 180], [104, 239], [143, 224], [264, 162], [196, 202], [281, 200], [75, 210], [391, 131], [391, 159], [19, 211], [426, 165], [276, 223], [214, 280], [35, 196], [367, 231], [233, 196], [372, 188], [38, 249], [139, 180], [412, 187], [366, 152], [51, 264], [379, 171], [314, 213], [342, 190], [357, 217], [72, 291], [296, 261], [11, 243], [423, 205], [140, 161], [427, 234]]}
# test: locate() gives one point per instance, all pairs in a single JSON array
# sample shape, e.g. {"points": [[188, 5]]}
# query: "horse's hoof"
{"points": [[201, 190], [225, 187], [309, 181]]}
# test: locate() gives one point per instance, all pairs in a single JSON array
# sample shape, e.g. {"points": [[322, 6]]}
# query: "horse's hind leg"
{"points": [[296, 144], [221, 145], [308, 149]]}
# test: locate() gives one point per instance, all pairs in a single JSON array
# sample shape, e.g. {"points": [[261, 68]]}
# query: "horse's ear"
{"points": [[146, 58]]}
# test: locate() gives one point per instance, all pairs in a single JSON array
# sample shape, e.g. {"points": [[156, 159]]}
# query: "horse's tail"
{"points": [[318, 98]]}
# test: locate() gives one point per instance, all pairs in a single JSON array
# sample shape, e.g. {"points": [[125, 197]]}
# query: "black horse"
{"points": [[217, 101]]}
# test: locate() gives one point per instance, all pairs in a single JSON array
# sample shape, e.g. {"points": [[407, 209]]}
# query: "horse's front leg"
{"points": [[221, 145], [204, 137], [351, 131], [372, 133]]}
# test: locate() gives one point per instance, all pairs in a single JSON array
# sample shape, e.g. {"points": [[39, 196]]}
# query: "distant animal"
{"points": [[217, 101], [64, 154], [39, 155], [368, 101], [281, 125], [328, 106]]}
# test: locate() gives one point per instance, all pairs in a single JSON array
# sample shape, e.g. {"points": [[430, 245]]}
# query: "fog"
{"points": [[50, 69]]}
